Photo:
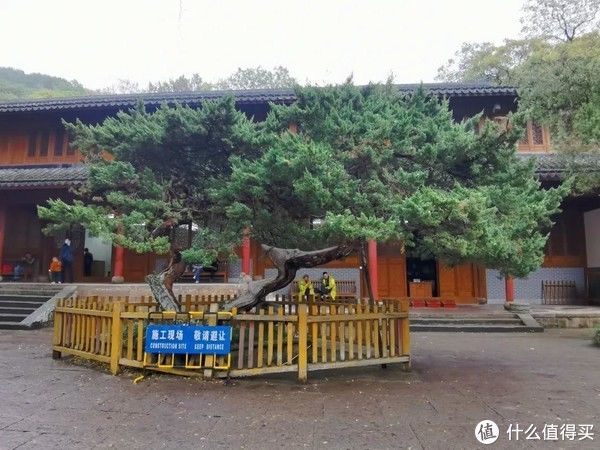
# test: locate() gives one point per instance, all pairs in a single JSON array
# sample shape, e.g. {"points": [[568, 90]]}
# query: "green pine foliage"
{"points": [[596, 337], [374, 164]]}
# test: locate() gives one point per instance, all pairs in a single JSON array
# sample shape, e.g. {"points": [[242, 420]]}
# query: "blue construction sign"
{"points": [[190, 339]]}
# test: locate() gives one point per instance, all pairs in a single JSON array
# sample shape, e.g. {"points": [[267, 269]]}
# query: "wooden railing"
{"points": [[282, 337], [267, 341], [558, 292], [362, 334], [85, 328]]}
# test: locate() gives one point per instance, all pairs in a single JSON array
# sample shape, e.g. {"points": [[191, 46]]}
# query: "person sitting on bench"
{"points": [[306, 291], [327, 289], [197, 271], [211, 269]]}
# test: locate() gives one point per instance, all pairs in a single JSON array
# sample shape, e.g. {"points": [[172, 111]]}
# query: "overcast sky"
{"points": [[99, 42]]}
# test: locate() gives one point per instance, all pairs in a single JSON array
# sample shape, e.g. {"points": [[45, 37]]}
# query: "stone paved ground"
{"points": [[457, 380]]}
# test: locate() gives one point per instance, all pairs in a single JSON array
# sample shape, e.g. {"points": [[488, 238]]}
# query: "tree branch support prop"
{"points": [[161, 285], [287, 261]]}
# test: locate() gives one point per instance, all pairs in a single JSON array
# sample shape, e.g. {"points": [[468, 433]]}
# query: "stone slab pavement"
{"points": [[458, 379]]}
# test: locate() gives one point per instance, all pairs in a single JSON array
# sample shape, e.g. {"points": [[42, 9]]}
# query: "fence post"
{"points": [[115, 339], [211, 321], [405, 334], [58, 332], [302, 342]]}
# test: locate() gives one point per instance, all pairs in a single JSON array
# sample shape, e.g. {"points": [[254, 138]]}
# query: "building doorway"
{"points": [[421, 277], [99, 265]]}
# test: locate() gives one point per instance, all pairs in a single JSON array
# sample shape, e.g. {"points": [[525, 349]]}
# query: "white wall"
{"points": [[592, 237], [530, 289], [101, 250]]}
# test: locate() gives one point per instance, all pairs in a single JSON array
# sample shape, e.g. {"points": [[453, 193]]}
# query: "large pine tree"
{"points": [[370, 162]]}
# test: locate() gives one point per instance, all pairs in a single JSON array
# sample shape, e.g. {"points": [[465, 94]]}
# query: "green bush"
{"points": [[596, 338]]}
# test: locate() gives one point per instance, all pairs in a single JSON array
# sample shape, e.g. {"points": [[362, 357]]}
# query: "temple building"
{"points": [[36, 164]]}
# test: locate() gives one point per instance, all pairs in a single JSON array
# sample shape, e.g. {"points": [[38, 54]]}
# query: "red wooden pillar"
{"points": [[372, 261], [118, 265], [246, 253], [509, 289], [2, 232]]}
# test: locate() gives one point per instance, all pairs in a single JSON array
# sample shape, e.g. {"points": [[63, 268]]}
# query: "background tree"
{"points": [[557, 74], [180, 84], [372, 163], [249, 78], [560, 86], [258, 78], [122, 86], [497, 64], [561, 20]]}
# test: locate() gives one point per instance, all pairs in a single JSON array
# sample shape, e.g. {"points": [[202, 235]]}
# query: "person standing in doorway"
{"points": [[88, 259], [54, 271], [66, 259], [28, 262]]}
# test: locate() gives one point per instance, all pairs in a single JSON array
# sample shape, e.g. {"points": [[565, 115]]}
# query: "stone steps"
{"points": [[517, 323], [476, 328], [12, 326], [466, 320], [18, 301], [11, 317], [10, 298], [29, 291], [17, 309], [459, 315], [21, 304]]}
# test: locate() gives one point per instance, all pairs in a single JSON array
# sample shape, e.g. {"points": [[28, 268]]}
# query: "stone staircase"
{"points": [[473, 321], [19, 300]]}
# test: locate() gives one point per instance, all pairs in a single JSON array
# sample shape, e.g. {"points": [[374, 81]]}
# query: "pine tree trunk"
{"points": [[161, 285], [287, 261]]}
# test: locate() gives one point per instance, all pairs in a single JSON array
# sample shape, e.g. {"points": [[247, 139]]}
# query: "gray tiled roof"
{"points": [[549, 167], [250, 96], [555, 166], [254, 96], [42, 177], [462, 89]]}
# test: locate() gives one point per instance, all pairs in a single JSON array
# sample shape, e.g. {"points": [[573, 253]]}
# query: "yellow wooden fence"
{"points": [[281, 336]]}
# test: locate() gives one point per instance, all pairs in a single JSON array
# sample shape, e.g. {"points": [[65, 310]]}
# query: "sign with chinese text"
{"points": [[190, 339]]}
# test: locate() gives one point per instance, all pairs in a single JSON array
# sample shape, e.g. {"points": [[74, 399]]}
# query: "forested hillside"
{"points": [[16, 84]]}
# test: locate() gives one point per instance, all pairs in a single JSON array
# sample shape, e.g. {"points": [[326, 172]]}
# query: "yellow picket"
{"points": [[261, 340], [270, 342], [280, 337]]}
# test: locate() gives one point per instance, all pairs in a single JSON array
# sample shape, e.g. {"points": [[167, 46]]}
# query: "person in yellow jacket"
{"points": [[328, 289], [305, 288]]}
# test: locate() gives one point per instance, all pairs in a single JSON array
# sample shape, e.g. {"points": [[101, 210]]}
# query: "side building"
{"points": [[36, 163]]}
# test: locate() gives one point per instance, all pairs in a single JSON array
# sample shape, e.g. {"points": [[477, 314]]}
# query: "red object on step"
{"points": [[417, 303], [433, 303], [448, 303], [7, 269]]}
